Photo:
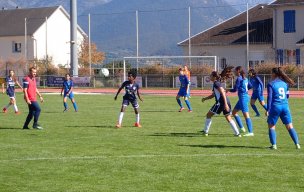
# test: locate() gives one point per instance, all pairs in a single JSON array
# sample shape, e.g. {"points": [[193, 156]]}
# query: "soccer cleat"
{"points": [[273, 147], [118, 125], [243, 130], [238, 135], [257, 115], [298, 146], [137, 125], [190, 111], [25, 128], [249, 135], [4, 110], [17, 113], [37, 126], [65, 110], [204, 133], [181, 109]]}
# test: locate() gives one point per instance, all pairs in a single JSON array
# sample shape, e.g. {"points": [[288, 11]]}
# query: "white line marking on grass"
{"points": [[148, 156]]}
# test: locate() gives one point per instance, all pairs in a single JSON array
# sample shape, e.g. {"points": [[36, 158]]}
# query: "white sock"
{"points": [[137, 118], [120, 117], [207, 125], [234, 127], [16, 108]]}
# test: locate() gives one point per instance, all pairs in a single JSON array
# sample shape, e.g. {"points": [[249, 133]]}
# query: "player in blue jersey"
{"points": [[277, 106], [222, 103], [183, 90], [241, 86], [131, 89], [257, 91], [67, 88], [10, 82]]}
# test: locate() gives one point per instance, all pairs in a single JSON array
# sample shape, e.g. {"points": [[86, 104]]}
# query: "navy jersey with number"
{"points": [[130, 90], [10, 85]]}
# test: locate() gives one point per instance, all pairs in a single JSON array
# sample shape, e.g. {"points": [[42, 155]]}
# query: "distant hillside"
{"points": [[162, 23]]}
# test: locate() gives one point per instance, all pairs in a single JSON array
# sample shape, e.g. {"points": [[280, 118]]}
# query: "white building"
{"points": [[288, 33], [44, 31], [268, 42]]}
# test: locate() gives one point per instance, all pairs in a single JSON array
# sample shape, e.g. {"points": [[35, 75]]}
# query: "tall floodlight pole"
{"points": [[90, 56], [73, 38], [189, 35], [25, 44], [247, 42], [137, 40], [46, 45]]}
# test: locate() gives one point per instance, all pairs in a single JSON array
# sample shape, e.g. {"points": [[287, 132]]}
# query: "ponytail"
{"points": [[278, 71], [242, 72], [226, 73]]}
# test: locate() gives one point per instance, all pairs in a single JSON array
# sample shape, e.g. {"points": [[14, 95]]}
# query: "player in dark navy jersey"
{"points": [[131, 90], [10, 82], [183, 90], [277, 106], [222, 103], [257, 91], [67, 88], [241, 87]]}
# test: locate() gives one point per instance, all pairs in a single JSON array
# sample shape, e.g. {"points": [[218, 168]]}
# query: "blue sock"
{"points": [[65, 105], [293, 134], [179, 103], [238, 121], [272, 136], [255, 109], [249, 125], [188, 104], [75, 106], [265, 107]]}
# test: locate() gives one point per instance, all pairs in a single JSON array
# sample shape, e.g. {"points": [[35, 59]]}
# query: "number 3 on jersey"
{"points": [[282, 93]]}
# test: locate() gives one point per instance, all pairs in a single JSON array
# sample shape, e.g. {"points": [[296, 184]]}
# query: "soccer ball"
{"points": [[105, 72]]}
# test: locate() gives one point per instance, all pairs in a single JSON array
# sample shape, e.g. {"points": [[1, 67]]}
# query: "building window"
{"points": [[289, 21], [16, 47], [223, 63], [280, 56], [298, 56]]}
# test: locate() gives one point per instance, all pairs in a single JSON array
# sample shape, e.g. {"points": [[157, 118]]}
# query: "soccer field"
{"points": [[84, 152]]}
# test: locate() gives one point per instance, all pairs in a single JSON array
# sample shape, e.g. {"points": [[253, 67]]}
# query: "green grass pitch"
{"points": [[84, 152]]}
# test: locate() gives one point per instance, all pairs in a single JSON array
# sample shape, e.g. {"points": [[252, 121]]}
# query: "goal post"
{"points": [[166, 62]]}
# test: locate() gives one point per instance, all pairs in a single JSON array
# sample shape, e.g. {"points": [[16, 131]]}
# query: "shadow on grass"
{"points": [[223, 146], [92, 126], [198, 134], [157, 111]]}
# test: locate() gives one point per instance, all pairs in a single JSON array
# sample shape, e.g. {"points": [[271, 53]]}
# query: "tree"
{"points": [[97, 57]]}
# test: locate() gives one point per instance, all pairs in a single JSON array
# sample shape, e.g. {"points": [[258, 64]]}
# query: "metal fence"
{"points": [[148, 81]]}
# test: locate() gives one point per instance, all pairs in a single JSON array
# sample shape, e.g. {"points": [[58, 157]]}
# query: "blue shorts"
{"points": [[71, 95], [257, 95], [242, 104], [11, 94], [126, 102], [182, 92], [281, 111]]}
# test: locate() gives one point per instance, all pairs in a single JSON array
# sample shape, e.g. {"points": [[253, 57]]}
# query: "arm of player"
{"points": [[120, 88], [40, 96], [269, 98], [235, 87], [26, 96], [208, 97], [138, 94], [61, 90], [17, 82], [222, 92]]}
